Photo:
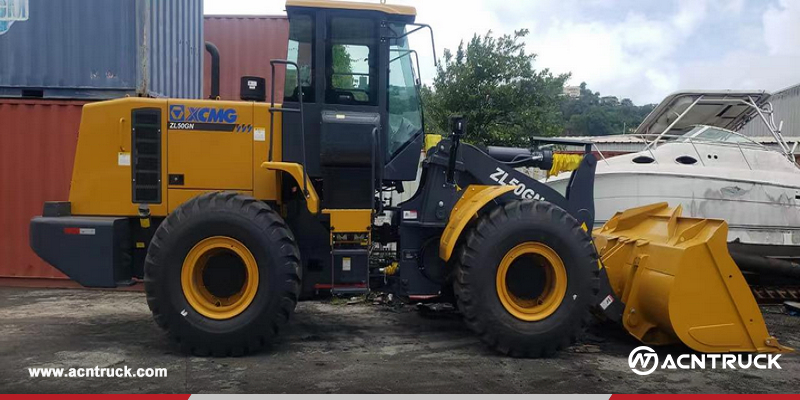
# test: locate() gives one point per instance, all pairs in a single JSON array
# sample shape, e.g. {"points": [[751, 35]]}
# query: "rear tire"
{"points": [[518, 324], [184, 285]]}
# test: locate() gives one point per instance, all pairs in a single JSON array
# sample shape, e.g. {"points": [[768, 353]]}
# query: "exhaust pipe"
{"points": [[214, 51]]}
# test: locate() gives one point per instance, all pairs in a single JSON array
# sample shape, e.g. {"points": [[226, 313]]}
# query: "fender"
{"points": [[473, 199], [296, 171]]}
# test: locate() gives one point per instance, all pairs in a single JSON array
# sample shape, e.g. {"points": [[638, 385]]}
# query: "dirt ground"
{"points": [[333, 348]]}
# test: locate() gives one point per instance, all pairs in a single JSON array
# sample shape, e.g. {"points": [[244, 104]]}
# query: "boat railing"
{"points": [[765, 112], [668, 138], [686, 139]]}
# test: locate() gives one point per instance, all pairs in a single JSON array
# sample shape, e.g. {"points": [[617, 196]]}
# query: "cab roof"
{"points": [[352, 5]]}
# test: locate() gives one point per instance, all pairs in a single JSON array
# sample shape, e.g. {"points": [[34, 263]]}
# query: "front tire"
{"points": [[526, 277], [222, 274]]}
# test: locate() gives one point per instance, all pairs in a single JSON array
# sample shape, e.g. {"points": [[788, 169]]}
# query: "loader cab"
{"points": [[362, 119]]}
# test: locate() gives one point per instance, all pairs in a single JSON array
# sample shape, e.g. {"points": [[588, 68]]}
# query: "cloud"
{"points": [[614, 58], [628, 48], [782, 28], [767, 58], [690, 14], [646, 50]]}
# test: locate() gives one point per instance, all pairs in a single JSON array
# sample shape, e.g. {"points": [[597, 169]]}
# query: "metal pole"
{"points": [[683, 114], [776, 135]]}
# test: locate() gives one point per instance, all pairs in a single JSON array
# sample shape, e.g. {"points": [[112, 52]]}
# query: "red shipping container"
{"points": [[246, 45], [38, 139], [37, 149]]}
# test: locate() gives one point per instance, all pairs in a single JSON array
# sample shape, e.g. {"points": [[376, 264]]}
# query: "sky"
{"points": [[637, 49]]}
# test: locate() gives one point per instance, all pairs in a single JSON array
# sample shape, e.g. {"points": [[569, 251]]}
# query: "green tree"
{"points": [[589, 115], [342, 67], [491, 81]]}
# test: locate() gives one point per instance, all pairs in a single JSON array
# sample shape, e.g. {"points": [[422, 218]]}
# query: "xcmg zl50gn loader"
{"points": [[230, 211]]}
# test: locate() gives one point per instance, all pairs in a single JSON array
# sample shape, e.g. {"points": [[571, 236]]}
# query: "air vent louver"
{"points": [[146, 155]]}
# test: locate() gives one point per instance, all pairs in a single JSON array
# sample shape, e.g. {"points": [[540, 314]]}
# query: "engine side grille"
{"points": [[146, 155]]}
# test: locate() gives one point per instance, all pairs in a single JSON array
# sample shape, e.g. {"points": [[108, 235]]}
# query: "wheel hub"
{"points": [[219, 277], [531, 281]]}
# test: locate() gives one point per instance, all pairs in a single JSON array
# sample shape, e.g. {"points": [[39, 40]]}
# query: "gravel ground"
{"points": [[333, 348]]}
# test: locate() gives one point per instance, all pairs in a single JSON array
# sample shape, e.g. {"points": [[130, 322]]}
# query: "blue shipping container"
{"points": [[100, 49]]}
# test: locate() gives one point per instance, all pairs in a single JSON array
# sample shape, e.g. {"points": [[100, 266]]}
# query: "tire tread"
{"points": [[270, 223], [469, 252]]}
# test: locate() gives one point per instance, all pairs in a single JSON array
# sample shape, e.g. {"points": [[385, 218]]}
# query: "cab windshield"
{"points": [[405, 116]]}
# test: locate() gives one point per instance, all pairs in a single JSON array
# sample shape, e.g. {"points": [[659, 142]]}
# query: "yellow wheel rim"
{"points": [[216, 257], [522, 260]]}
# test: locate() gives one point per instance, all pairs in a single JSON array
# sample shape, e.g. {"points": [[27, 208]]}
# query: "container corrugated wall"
{"points": [[103, 49], [176, 46], [37, 150], [786, 105], [71, 45], [246, 45]]}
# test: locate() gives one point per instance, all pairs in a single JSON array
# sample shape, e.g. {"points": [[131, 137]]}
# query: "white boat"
{"points": [[693, 157]]}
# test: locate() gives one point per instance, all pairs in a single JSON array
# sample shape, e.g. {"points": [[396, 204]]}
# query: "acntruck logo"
{"points": [[644, 360], [181, 113]]}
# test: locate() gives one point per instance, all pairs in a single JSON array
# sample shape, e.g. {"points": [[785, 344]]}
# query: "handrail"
{"points": [[273, 109], [652, 155], [433, 43], [775, 131], [768, 119], [685, 139], [745, 157], [693, 141], [699, 156], [602, 156], [376, 170]]}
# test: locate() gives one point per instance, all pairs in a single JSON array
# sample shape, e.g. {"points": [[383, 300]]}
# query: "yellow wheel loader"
{"points": [[231, 211]]}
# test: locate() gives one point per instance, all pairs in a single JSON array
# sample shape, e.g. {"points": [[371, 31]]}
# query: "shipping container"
{"points": [[246, 45], [37, 149], [98, 49]]}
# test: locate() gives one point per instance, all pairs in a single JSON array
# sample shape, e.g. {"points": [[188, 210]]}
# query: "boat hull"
{"points": [[758, 213]]}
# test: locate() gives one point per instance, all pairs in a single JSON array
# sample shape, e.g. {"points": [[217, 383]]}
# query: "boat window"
{"points": [[643, 160], [692, 133], [713, 135], [687, 160], [737, 138]]}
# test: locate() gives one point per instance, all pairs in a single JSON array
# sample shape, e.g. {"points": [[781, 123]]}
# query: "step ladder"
{"points": [[350, 238]]}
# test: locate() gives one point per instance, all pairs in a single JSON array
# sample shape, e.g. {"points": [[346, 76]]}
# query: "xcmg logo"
{"points": [[181, 113]]}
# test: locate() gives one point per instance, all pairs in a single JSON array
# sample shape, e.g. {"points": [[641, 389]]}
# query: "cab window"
{"points": [[405, 116], [301, 51], [351, 55]]}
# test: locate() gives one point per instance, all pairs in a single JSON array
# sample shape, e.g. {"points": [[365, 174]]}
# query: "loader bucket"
{"points": [[678, 282]]}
